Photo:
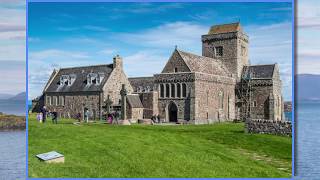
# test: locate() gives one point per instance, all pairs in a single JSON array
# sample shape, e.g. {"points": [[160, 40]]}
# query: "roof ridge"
{"points": [[263, 64], [140, 77], [226, 24], [86, 66]]}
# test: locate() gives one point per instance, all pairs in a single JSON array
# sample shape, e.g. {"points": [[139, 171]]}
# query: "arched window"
{"points": [[178, 90], [184, 90], [167, 90], [161, 90], [220, 100], [173, 90]]}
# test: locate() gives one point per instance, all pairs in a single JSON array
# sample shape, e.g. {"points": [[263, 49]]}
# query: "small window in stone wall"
{"points": [[254, 104], [219, 51], [243, 51], [221, 100], [175, 69]]}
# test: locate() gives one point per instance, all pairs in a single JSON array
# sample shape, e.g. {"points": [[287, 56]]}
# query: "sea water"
{"points": [[16, 107], [12, 144], [12, 155], [308, 140]]}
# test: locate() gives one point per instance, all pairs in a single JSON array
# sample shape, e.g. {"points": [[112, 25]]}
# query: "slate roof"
{"points": [[134, 101], [203, 64], [144, 82], [224, 28], [80, 83], [259, 71]]}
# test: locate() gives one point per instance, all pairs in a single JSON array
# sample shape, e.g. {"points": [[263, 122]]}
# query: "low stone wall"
{"points": [[268, 127]]}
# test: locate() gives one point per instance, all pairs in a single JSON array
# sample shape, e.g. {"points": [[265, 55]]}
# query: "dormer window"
{"points": [[218, 51], [95, 78], [147, 89], [67, 79]]}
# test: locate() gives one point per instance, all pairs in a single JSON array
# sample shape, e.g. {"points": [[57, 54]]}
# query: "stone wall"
{"points": [[149, 101], [214, 102], [268, 127], [69, 104]]}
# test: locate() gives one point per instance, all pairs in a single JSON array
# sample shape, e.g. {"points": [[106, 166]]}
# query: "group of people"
{"points": [[42, 116], [112, 118], [156, 118]]}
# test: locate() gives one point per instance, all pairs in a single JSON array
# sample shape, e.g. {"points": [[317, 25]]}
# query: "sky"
{"points": [[12, 46], [145, 34], [308, 48]]}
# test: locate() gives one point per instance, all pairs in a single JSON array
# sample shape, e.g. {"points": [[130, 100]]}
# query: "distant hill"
{"points": [[19, 97], [308, 87], [5, 96]]}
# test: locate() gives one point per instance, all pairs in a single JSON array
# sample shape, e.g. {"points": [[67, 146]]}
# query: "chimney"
{"points": [[117, 62]]}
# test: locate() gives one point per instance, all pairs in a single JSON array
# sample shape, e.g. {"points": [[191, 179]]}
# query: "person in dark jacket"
{"points": [[158, 118], [54, 117], [44, 114]]}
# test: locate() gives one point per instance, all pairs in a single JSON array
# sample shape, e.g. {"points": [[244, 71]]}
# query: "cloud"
{"points": [[85, 27], [107, 51], [135, 64], [185, 34], [273, 44], [12, 31], [57, 54], [308, 14], [141, 8]]}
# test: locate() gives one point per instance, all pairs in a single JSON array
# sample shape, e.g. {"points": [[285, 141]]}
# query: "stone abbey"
{"points": [[219, 85]]}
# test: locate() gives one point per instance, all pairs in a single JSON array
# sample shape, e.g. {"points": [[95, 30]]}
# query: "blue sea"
{"points": [[12, 145], [12, 155], [16, 107], [307, 149]]}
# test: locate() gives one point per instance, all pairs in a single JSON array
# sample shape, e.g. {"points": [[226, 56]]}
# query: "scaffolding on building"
{"points": [[244, 92]]}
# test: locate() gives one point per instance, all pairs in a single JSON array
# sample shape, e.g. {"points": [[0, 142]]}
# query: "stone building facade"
{"points": [[70, 91], [219, 85]]}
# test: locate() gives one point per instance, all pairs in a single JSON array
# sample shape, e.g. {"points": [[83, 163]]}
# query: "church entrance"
{"points": [[173, 112]]}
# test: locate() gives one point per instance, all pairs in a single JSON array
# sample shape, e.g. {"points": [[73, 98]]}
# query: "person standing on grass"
{"points": [[40, 117], [54, 117], [44, 113], [158, 118], [109, 118], [153, 119], [78, 116]]}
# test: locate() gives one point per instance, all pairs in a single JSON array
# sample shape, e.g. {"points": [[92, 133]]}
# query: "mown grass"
{"points": [[12, 122], [101, 150]]}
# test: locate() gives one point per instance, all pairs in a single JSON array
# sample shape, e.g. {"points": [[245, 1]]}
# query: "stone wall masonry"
{"points": [[268, 127]]}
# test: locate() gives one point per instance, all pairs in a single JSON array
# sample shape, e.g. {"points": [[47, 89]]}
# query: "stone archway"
{"points": [[172, 112]]}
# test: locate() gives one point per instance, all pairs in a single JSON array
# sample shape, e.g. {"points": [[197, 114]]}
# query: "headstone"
{"points": [[51, 157]]}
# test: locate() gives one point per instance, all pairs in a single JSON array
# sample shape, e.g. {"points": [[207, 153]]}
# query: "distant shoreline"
{"points": [[12, 122]]}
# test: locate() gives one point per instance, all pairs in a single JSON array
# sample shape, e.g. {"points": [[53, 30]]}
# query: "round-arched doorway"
{"points": [[173, 112]]}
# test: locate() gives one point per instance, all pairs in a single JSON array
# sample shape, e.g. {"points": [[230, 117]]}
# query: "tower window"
{"points": [[219, 51], [243, 51], [175, 69], [254, 104]]}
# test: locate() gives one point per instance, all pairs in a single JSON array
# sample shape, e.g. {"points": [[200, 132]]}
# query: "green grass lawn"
{"points": [[101, 150]]}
